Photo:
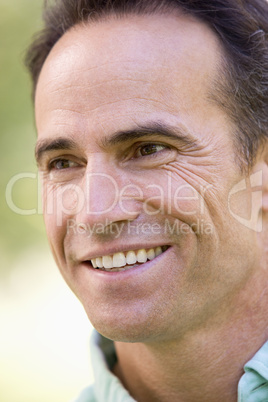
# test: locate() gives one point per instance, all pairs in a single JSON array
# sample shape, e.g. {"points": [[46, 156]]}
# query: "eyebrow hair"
{"points": [[123, 136], [53, 145], [151, 130]]}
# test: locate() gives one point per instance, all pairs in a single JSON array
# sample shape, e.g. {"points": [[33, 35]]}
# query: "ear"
{"points": [[259, 174], [265, 188], [265, 180], [259, 197], [261, 169]]}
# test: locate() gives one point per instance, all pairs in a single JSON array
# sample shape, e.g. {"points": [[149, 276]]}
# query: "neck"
{"points": [[204, 365]]}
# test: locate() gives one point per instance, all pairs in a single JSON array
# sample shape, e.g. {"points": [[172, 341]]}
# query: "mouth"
{"points": [[123, 261]]}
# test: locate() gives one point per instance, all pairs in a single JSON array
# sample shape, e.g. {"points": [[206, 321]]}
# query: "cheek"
{"points": [[58, 209], [61, 202], [172, 195]]}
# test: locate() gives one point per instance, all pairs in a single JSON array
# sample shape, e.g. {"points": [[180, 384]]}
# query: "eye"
{"points": [[149, 149], [61, 164]]}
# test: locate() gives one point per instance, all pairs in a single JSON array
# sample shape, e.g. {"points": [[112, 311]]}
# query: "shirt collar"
{"points": [[107, 386], [253, 385]]}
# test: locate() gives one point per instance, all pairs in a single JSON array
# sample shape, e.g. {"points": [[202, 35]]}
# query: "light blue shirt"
{"points": [[252, 387]]}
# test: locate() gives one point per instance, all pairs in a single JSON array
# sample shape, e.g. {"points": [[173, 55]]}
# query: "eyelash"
{"points": [[52, 163], [153, 154]]}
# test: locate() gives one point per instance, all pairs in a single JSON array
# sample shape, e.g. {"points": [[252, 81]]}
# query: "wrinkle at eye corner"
{"points": [[187, 175], [200, 189]]}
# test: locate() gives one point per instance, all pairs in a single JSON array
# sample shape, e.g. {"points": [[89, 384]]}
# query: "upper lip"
{"points": [[112, 250]]}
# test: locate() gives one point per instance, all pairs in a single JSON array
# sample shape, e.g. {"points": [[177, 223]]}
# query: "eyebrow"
{"points": [[53, 145], [178, 134]]}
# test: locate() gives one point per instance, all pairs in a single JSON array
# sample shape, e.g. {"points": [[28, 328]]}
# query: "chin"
{"points": [[122, 329]]}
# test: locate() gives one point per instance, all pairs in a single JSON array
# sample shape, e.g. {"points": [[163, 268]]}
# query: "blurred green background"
{"points": [[43, 329], [19, 19]]}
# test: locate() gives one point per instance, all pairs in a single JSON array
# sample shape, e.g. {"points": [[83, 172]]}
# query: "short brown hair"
{"points": [[241, 25]]}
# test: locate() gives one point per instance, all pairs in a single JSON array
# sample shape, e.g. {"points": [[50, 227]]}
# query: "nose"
{"points": [[109, 196]]}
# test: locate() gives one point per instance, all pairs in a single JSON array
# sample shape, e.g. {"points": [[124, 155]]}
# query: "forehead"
{"points": [[127, 62]]}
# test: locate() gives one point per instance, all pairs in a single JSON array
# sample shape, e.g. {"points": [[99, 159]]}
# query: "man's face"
{"points": [[135, 156]]}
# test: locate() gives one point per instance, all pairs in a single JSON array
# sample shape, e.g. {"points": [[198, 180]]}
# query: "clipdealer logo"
{"points": [[253, 185], [180, 200]]}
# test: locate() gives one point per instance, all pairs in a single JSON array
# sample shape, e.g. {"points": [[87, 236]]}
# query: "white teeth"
{"points": [[123, 261], [107, 261], [158, 251], [142, 255], [131, 257], [119, 260], [99, 262], [151, 254]]}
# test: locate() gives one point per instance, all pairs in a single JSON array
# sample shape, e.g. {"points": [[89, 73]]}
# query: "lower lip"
{"points": [[138, 269]]}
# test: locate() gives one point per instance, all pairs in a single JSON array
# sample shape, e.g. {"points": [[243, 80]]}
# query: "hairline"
{"points": [[218, 87]]}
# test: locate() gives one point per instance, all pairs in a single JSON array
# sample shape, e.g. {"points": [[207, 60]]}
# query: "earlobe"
{"points": [[259, 193], [262, 166]]}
